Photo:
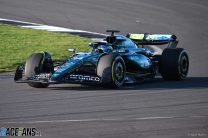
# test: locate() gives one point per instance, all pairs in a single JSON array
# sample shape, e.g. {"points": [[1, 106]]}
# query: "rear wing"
{"points": [[154, 39]]}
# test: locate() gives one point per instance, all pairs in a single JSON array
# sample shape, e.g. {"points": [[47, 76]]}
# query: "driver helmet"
{"points": [[104, 49]]}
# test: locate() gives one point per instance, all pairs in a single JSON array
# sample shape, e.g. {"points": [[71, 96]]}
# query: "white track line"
{"points": [[101, 120], [86, 120], [3, 19], [49, 28]]}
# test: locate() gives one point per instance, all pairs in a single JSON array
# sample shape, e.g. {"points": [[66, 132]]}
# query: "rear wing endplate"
{"points": [[154, 39]]}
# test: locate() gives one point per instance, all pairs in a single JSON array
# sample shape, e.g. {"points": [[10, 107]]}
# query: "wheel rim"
{"points": [[184, 65], [119, 71]]}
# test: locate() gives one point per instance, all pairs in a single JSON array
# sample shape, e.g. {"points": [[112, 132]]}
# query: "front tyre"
{"points": [[32, 67], [111, 68], [174, 64]]}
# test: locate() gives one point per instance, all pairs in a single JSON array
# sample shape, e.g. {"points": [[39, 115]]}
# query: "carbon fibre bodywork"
{"points": [[140, 63]]}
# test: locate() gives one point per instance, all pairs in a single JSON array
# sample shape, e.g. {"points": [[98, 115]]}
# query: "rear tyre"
{"points": [[32, 67], [174, 64], [112, 70]]}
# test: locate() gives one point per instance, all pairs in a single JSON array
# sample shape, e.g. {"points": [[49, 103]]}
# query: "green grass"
{"points": [[17, 43]]}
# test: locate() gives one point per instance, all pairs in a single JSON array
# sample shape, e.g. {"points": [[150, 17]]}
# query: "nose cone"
{"points": [[68, 66], [73, 63]]}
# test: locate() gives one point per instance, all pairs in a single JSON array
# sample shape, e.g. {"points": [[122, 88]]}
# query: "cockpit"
{"points": [[124, 42], [111, 43]]}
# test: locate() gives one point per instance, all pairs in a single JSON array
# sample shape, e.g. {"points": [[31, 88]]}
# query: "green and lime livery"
{"points": [[116, 60]]}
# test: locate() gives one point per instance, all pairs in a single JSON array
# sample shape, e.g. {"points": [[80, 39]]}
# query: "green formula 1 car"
{"points": [[116, 60]]}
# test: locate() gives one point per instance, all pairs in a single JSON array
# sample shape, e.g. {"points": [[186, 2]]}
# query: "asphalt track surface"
{"points": [[154, 109]]}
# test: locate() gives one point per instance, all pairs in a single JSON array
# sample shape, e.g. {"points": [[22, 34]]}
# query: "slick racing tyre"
{"points": [[112, 70], [174, 64], [32, 67]]}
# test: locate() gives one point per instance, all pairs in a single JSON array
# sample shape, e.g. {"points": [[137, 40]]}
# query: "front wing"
{"points": [[46, 78]]}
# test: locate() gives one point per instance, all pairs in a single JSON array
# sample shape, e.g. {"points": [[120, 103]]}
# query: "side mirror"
{"points": [[72, 50], [93, 44]]}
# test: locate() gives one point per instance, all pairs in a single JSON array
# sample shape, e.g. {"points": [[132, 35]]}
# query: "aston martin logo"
{"points": [[84, 78]]}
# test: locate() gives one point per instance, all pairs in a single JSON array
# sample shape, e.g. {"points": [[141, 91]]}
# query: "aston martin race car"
{"points": [[112, 62]]}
